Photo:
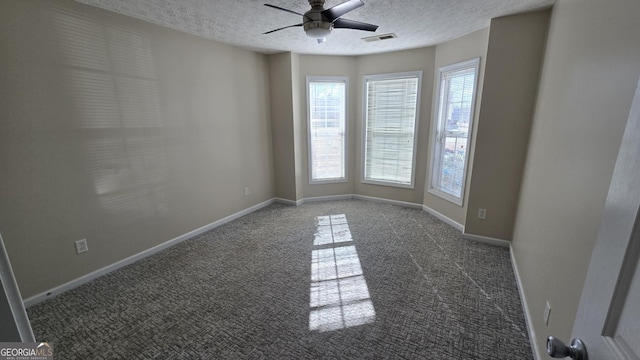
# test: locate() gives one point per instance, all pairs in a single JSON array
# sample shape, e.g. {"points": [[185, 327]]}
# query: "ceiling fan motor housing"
{"points": [[314, 24]]}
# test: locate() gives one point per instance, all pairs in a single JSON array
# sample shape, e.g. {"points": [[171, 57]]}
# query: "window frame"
{"points": [[329, 79], [437, 126], [389, 76]]}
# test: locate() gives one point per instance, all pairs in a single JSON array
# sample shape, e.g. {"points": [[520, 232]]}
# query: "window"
{"points": [[327, 124], [453, 124], [391, 103]]}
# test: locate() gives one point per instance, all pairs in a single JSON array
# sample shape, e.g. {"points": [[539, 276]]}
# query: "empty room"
{"points": [[337, 179]]}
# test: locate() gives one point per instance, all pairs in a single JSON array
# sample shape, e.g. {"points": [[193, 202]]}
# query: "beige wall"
{"points": [[454, 51], [590, 72], [512, 69], [409, 60], [299, 120], [121, 132], [281, 97]]}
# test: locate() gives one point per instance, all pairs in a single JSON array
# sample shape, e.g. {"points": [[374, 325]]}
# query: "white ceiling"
{"points": [[417, 23]]}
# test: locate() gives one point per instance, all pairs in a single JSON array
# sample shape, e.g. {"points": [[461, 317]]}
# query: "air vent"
{"points": [[380, 37]]}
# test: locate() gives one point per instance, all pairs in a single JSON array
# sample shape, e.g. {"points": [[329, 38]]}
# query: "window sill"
{"points": [[385, 183], [328, 181], [445, 196]]}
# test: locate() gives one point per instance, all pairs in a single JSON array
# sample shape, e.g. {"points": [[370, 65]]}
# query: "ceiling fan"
{"points": [[318, 22]]}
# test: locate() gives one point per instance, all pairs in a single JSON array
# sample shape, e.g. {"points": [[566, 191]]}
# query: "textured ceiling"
{"points": [[417, 23]]}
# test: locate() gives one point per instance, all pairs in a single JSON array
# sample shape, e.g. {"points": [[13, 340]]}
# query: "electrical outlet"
{"points": [[81, 246], [482, 214], [547, 313], [246, 191]]}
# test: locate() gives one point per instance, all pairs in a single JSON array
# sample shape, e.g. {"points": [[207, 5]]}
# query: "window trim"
{"points": [[345, 80], [399, 75], [475, 63]]}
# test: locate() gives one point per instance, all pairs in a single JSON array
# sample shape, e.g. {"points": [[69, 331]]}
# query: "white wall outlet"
{"points": [[482, 214], [547, 313], [246, 191], [81, 246]]}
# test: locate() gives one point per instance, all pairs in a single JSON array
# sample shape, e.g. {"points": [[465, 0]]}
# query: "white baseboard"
{"points": [[388, 201], [347, 197], [527, 314], [487, 240], [325, 198], [287, 201], [444, 218], [38, 298], [127, 261]]}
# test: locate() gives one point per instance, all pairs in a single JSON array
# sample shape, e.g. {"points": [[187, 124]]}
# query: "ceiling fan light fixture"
{"points": [[318, 29]]}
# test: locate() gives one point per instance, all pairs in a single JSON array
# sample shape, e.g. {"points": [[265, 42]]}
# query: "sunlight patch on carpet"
{"points": [[339, 296]]}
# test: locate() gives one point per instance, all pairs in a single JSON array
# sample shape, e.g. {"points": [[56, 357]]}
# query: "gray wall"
{"points": [[121, 132], [590, 72]]}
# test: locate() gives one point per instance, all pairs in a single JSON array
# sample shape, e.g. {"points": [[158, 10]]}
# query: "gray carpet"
{"points": [[285, 282]]}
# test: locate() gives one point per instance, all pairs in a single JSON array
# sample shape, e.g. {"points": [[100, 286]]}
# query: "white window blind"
{"points": [[327, 108], [391, 108], [457, 89]]}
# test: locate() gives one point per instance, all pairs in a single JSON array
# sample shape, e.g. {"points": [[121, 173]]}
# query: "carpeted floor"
{"points": [[332, 280]]}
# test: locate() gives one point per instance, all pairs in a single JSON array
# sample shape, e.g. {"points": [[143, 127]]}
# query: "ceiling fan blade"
{"points": [[283, 9], [286, 27], [335, 12], [352, 24]]}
